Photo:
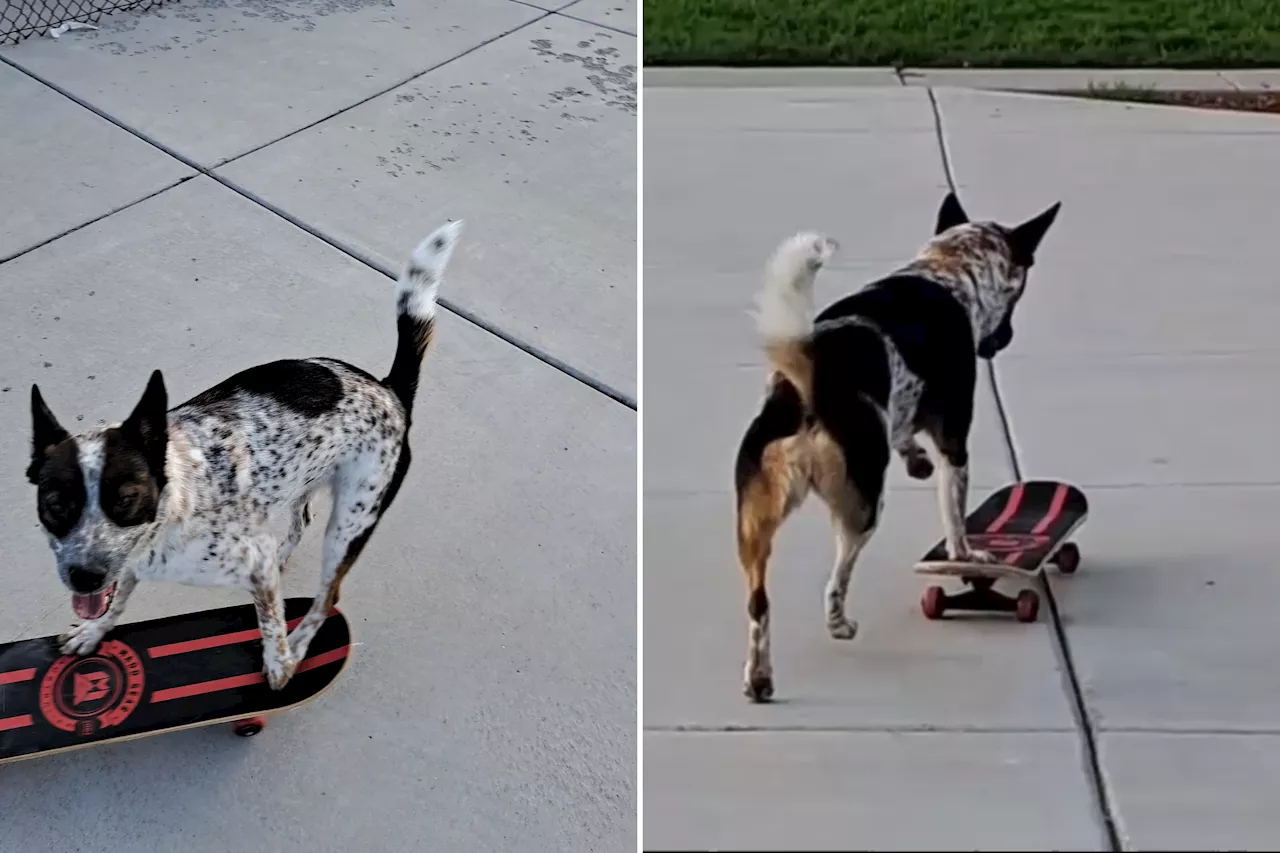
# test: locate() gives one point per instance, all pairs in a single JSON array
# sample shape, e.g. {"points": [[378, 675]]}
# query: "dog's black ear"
{"points": [[1025, 239], [46, 434], [147, 429], [950, 214]]}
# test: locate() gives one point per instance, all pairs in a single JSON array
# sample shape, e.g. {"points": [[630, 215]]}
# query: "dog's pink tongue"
{"points": [[89, 606]]}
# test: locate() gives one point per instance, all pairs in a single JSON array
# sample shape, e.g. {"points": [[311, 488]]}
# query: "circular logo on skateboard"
{"points": [[1006, 543], [85, 694]]}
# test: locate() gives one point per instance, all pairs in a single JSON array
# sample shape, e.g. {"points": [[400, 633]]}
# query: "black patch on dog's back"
{"points": [[782, 415], [61, 495], [305, 387], [932, 332], [929, 326]]}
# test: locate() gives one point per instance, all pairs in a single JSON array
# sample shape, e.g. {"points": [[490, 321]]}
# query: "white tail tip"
{"points": [[785, 305]]}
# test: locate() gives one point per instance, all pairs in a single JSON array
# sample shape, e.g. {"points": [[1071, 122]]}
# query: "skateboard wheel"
{"points": [[1028, 606], [249, 727], [933, 603], [1068, 558]]}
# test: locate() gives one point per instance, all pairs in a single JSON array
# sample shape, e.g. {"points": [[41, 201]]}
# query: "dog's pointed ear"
{"points": [[950, 214], [46, 434], [147, 428], [1025, 239]]}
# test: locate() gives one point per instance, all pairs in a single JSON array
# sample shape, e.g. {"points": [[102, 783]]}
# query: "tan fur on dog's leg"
{"points": [[762, 507]]}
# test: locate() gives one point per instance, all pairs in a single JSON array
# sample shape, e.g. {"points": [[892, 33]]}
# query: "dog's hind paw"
{"points": [[758, 688], [845, 629]]}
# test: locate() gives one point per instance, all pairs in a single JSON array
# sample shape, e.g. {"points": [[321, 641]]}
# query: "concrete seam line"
{"points": [[391, 88], [618, 30], [1089, 740], [465, 314], [99, 218]]}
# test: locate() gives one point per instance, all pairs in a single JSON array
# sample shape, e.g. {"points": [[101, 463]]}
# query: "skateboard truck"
{"points": [[982, 597]]}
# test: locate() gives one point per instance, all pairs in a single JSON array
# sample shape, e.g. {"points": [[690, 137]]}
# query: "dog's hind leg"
{"points": [[854, 515], [361, 494], [297, 526], [765, 499]]}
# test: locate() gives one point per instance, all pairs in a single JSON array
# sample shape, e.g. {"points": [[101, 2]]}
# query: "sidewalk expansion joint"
{"points": [[471, 317], [889, 728], [1075, 693]]}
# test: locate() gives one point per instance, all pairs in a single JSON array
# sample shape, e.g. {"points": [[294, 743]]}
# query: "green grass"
{"points": [[956, 33]]}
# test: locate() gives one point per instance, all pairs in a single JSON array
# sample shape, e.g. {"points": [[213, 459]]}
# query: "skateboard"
{"points": [[1025, 526], [147, 678]]}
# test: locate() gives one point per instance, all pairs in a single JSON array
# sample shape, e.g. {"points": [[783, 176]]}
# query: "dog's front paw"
{"points": [[279, 670], [83, 638]]}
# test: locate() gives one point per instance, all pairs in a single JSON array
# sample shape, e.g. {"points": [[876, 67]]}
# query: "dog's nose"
{"points": [[83, 580]]}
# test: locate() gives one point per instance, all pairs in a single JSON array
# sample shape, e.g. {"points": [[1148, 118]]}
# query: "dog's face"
{"points": [[998, 258], [98, 493]]}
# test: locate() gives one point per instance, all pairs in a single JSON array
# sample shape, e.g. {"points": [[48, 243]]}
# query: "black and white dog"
{"points": [[857, 383], [215, 492]]}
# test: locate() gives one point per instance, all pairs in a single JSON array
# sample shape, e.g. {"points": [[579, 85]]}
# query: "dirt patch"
{"points": [[1251, 102]]}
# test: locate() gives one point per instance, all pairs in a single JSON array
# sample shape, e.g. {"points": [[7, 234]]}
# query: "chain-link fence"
{"points": [[22, 18]]}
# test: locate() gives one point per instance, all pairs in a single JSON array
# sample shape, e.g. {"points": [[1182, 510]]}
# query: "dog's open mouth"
{"points": [[94, 604]]}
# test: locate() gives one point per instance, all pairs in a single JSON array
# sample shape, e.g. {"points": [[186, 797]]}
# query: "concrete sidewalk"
{"points": [[222, 182], [1143, 713]]}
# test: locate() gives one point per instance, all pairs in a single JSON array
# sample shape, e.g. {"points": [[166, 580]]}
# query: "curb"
{"points": [[1007, 79]]}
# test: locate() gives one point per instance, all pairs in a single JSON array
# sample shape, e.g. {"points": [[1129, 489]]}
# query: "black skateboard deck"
{"points": [[146, 678], [1024, 526]]}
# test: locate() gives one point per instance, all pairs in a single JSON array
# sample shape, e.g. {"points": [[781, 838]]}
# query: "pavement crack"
{"points": [[1103, 799]]}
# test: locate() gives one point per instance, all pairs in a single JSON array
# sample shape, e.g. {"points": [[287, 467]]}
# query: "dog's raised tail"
{"points": [[785, 307], [416, 293]]}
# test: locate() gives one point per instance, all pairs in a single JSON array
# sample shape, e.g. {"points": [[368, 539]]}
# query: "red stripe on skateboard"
{"points": [[213, 642], [15, 675], [1010, 509], [322, 659], [234, 681], [19, 722], [1055, 510], [1056, 504]]}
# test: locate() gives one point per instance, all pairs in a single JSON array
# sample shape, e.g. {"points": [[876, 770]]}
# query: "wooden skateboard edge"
{"points": [[346, 659], [948, 568], [960, 568]]}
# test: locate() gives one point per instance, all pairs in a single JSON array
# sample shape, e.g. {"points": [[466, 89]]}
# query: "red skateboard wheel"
{"points": [[934, 602], [249, 727], [1068, 558], [1028, 606]]}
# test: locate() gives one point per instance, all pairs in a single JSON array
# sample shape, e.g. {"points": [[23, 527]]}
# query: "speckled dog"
{"points": [[202, 493], [858, 383]]}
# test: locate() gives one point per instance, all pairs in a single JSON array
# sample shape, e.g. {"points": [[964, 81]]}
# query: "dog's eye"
{"points": [[126, 503]]}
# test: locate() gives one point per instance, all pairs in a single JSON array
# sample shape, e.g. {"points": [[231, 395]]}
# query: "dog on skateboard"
{"points": [[857, 383], [216, 491]]}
